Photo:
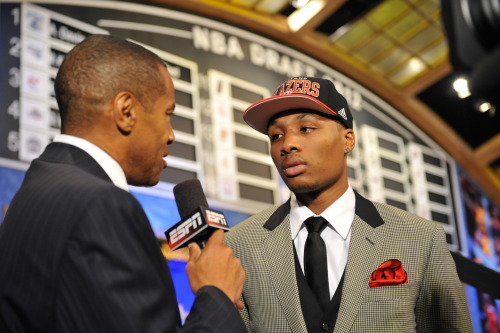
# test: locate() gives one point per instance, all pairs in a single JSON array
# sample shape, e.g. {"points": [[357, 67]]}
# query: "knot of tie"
{"points": [[316, 224]]}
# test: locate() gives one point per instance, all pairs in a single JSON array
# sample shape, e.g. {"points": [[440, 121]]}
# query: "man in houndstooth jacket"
{"points": [[388, 270]]}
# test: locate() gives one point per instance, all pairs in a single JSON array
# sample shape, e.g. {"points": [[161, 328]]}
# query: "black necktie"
{"points": [[315, 265]]}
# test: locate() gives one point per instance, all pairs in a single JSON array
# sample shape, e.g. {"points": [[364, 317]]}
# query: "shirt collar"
{"points": [[339, 214], [110, 166]]}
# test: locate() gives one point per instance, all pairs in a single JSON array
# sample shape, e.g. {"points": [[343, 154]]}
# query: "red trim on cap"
{"points": [[258, 115]]}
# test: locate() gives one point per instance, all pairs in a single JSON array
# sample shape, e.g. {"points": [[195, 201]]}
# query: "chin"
{"points": [[299, 187], [152, 183], [144, 182]]}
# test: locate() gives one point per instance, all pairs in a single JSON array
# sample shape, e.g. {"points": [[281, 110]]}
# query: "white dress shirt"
{"points": [[110, 166], [337, 235]]}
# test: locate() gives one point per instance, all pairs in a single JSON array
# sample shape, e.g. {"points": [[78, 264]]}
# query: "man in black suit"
{"points": [[77, 252]]}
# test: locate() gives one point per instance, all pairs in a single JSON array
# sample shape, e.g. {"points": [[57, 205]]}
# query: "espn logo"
{"points": [[191, 224], [214, 217], [197, 227]]}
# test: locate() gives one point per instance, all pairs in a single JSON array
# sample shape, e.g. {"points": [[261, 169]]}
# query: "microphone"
{"points": [[198, 222]]}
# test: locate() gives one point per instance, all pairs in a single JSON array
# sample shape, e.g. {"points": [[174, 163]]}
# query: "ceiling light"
{"points": [[298, 3], [485, 107], [303, 15], [271, 6], [461, 87]]}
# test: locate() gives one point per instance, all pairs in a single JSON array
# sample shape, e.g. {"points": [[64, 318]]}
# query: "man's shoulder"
{"points": [[69, 182], [253, 225], [399, 218], [64, 189]]}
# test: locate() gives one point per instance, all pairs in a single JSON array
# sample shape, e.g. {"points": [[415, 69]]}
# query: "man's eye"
{"points": [[306, 129], [274, 137]]}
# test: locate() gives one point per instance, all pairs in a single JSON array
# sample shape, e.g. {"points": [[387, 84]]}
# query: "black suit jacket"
{"points": [[77, 254]]}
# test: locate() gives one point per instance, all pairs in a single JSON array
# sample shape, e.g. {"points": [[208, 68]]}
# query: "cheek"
{"points": [[274, 152], [160, 135], [328, 157], [335, 149], [146, 153]]}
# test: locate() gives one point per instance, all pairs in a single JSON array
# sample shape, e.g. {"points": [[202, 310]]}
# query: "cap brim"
{"points": [[258, 114]]}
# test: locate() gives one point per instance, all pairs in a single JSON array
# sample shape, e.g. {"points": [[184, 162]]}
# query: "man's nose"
{"points": [[290, 144]]}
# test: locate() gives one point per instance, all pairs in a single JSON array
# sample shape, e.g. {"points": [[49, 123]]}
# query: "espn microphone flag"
{"points": [[196, 228], [197, 220]]}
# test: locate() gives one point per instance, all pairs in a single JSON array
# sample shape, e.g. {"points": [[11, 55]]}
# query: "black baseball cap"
{"points": [[309, 93]]}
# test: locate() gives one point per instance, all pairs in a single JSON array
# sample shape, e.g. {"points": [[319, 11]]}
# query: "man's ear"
{"points": [[350, 139], [125, 111]]}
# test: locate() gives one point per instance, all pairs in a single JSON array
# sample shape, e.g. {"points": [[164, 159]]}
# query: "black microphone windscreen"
{"points": [[189, 195]]}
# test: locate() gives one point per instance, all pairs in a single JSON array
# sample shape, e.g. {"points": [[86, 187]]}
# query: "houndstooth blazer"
{"points": [[433, 300]]}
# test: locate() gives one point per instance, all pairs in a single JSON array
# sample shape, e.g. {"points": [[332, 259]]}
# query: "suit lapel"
{"points": [[278, 248], [362, 260]]}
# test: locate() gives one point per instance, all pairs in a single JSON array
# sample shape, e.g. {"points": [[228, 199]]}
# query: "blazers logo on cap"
{"points": [[305, 87], [342, 113]]}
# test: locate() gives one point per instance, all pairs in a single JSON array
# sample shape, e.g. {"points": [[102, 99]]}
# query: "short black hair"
{"points": [[98, 68]]}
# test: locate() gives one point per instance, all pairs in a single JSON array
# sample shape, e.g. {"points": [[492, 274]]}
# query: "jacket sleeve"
{"points": [[115, 270], [442, 305], [213, 311]]}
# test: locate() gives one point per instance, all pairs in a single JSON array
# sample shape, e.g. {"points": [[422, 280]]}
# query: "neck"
{"points": [[103, 139], [317, 202]]}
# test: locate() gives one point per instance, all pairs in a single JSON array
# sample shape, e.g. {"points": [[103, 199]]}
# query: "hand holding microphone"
{"points": [[216, 266], [201, 227]]}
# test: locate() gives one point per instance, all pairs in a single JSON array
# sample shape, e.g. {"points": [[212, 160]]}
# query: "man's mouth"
{"points": [[294, 168], [165, 160]]}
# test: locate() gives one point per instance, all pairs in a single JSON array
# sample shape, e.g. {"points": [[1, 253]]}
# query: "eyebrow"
{"points": [[303, 115], [298, 116]]}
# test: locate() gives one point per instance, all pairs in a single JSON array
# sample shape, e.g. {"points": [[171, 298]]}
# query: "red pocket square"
{"points": [[390, 273]]}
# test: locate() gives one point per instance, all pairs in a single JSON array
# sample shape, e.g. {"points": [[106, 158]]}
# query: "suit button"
{"points": [[325, 326]]}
